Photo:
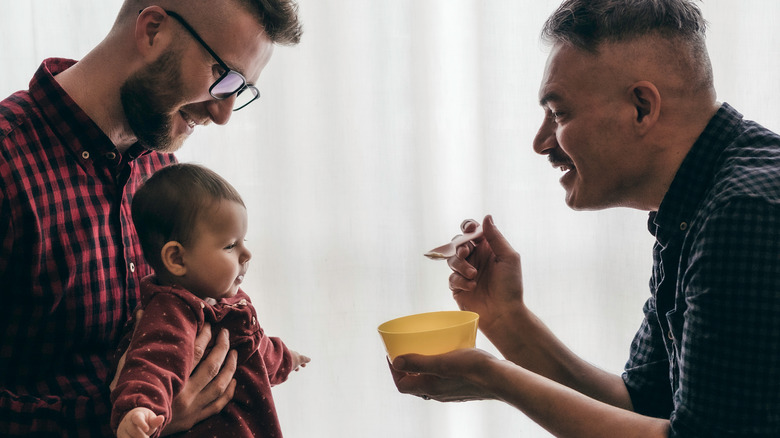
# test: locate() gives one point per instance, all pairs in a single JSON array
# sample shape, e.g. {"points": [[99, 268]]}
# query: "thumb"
{"points": [[410, 363], [156, 422], [497, 241]]}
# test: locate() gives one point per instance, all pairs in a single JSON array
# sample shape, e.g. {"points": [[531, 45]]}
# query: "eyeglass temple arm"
{"points": [[195, 35]]}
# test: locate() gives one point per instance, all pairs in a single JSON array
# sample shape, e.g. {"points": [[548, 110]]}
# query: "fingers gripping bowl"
{"points": [[429, 333]]}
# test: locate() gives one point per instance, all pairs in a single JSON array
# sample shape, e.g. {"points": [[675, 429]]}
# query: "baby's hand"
{"points": [[139, 423], [298, 360]]}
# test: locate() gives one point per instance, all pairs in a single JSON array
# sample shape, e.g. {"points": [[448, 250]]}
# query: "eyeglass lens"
{"points": [[244, 98], [227, 85], [233, 83]]}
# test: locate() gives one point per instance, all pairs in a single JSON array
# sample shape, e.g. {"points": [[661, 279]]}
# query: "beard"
{"points": [[151, 98]]}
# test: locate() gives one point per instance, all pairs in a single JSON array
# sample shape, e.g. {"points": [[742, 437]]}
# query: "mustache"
{"points": [[558, 158]]}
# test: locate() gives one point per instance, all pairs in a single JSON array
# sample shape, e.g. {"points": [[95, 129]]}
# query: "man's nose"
{"points": [[545, 140], [220, 110]]}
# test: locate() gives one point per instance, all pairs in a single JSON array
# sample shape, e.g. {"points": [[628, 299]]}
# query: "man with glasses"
{"points": [[230, 82], [73, 150]]}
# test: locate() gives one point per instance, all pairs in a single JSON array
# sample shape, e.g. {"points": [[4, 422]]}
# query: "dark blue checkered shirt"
{"points": [[707, 355]]}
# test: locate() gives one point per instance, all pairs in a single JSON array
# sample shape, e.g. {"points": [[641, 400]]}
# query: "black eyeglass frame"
{"points": [[228, 71]]}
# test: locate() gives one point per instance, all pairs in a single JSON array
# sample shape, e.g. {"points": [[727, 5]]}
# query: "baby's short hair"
{"points": [[166, 207]]}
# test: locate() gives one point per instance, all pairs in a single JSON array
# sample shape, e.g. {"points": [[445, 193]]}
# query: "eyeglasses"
{"points": [[230, 82]]}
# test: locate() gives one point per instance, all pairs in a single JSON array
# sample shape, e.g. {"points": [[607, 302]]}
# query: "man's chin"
{"points": [[571, 202], [176, 143], [576, 202], [165, 145]]}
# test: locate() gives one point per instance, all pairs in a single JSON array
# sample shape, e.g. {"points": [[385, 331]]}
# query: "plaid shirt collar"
{"points": [[63, 114], [694, 176]]}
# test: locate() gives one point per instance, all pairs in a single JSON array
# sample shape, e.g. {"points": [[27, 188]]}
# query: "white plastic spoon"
{"points": [[448, 250]]}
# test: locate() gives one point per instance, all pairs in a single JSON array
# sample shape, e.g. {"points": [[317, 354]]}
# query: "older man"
{"points": [[632, 121]]}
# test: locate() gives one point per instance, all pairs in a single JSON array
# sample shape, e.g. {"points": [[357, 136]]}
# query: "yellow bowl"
{"points": [[429, 333]]}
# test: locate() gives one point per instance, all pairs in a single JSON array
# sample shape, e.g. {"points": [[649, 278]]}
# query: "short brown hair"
{"points": [[167, 205], [279, 19], [678, 24], [586, 24]]}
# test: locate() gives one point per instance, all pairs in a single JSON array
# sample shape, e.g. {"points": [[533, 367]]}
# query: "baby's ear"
{"points": [[172, 255]]}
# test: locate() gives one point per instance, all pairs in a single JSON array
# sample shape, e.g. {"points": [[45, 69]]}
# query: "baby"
{"points": [[192, 224]]}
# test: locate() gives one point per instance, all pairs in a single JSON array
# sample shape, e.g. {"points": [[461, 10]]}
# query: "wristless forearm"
{"points": [[526, 341], [561, 410]]}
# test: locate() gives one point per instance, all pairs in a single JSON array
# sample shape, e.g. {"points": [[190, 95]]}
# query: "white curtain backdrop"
{"points": [[390, 123]]}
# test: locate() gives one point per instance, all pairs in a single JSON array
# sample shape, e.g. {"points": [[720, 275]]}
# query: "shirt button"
{"points": [[683, 226], [132, 267], [111, 156], [85, 155]]}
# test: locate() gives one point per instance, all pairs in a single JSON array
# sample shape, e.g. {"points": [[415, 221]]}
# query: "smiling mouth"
{"points": [[560, 161], [563, 165], [190, 122]]}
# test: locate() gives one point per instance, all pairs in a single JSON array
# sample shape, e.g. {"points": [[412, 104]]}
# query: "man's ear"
{"points": [[647, 104], [150, 38], [172, 255]]}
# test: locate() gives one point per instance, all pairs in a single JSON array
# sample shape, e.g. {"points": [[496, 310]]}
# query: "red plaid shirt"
{"points": [[70, 261]]}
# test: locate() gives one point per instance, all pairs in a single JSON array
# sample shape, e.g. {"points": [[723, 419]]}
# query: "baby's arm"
{"points": [[279, 360], [139, 423], [158, 360]]}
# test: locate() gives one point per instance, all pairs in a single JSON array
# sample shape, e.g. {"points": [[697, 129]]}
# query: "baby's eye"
{"points": [[231, 246]]}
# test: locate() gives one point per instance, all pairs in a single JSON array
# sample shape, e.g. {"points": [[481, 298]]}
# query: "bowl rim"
{"points": [[474, 318]]}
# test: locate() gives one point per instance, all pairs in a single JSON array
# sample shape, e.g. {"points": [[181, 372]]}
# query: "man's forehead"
{"points": [[548, 90], [549, 96], [246, 47], [568, 69]]}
